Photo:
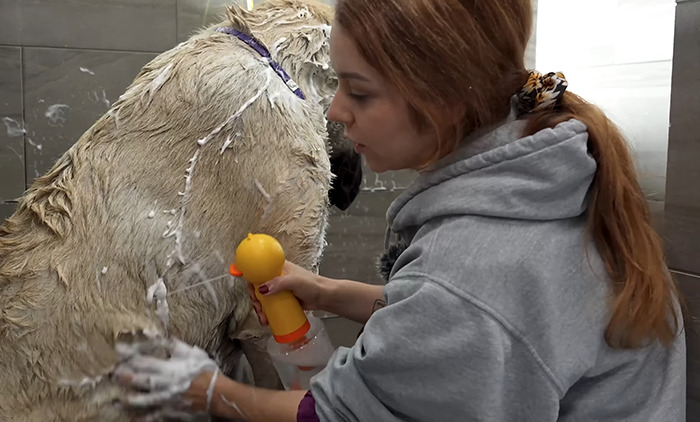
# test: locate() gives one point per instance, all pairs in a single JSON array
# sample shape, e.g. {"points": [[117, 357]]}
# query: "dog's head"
{"points": [[297, 35]]}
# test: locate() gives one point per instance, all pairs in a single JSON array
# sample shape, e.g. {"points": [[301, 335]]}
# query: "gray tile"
{"points": [[12, 128], [690, 286], [356, 238], [682, 225], [66, 91], [195, 14], [106, 24], [6, 210], [342, 332], [9, 21]]}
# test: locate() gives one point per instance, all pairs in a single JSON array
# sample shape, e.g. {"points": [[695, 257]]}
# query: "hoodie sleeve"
{"points": [[431, 355]]}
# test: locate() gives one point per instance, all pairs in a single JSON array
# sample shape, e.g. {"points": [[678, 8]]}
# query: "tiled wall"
{"points": [[682, 226]]}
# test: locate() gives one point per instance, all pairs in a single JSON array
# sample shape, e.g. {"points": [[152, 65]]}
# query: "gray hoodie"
{"points": [[496, 311]]}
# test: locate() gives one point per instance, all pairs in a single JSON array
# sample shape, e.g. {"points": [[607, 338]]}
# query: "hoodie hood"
{"points": [[545, 176]]}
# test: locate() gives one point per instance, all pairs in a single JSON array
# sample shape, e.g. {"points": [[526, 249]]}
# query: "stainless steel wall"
{"points": [[682, 211]]}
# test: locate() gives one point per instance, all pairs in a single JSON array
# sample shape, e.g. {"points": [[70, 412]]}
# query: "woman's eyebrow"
{"points": [[353, 75]]}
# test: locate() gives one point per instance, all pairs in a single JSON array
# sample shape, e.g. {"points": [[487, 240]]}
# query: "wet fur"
{"points": [[109, 201]]}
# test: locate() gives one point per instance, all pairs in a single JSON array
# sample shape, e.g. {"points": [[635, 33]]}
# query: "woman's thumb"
{"points": [[276, 285]]}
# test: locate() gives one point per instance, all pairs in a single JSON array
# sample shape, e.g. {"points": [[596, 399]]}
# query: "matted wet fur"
{"points": [[206, 145]]}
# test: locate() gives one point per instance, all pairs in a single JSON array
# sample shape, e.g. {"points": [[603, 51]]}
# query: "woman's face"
{"points": [[376, 117]]}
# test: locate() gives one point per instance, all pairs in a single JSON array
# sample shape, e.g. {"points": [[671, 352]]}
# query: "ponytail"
{"points": [[619, 223]]}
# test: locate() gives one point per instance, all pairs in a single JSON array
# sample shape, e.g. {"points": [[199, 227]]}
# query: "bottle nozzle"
{"points": [[234, 271]]}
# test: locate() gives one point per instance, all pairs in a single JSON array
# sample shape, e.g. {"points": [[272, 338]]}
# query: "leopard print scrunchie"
{"points": [[542, 91]]}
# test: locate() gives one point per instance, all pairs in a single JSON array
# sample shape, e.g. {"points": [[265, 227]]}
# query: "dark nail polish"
{"points": [[263, 289]]}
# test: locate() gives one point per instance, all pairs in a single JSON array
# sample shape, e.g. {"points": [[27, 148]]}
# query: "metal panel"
{"points": [[682, 225], [690, 286]]}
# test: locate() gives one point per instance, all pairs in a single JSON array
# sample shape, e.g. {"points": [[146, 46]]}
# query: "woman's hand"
{"points": [[308, 287], [188, 386], [349, 299], [181, 385]]}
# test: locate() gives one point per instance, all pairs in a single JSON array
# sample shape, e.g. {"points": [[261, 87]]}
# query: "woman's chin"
{"points": [[377, 167]]}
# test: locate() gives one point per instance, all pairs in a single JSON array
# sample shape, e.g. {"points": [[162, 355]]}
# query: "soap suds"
{"points": [[264, 193], [167, 381], [55, 114], [85, 382], [14, 128], [130, 92], [210, 390], [38, 147], [159, 292], [184, 198], [232, 405], [277, 46], [226, 144], [160, 79], [238, 113]]}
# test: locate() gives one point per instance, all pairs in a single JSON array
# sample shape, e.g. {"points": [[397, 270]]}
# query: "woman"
{"points": [[530, 283]]}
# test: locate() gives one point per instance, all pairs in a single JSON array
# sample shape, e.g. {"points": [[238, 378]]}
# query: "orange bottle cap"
{"points": [[294, 335]]}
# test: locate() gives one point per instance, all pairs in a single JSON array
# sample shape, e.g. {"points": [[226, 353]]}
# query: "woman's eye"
{"points": [[358, 97]]}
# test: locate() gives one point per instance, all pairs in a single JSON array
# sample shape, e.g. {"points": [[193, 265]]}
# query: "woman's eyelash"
{"points": [[358, 97]]}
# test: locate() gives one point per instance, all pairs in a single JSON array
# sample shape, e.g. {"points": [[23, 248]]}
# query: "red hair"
{"points": [[458, 63]]}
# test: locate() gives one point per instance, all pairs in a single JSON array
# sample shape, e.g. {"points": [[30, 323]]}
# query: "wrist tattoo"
{"points": [[378, 304]]}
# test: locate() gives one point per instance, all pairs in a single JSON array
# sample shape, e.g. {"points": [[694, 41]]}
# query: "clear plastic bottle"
{"points": [[299, 361]]}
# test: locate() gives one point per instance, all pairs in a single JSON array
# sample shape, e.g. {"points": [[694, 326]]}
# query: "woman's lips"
{"points": [[359, 147]]}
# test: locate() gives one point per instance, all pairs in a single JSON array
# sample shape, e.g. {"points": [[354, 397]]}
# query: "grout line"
{"points": [[24, 124], [98, 50], [685, 273]]}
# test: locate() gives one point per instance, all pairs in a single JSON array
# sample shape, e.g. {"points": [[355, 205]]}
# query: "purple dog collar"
{"points": [[260, 48]]}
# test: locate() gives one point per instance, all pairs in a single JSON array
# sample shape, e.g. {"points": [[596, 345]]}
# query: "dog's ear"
{"points": [[347, 168], [238, 18]]}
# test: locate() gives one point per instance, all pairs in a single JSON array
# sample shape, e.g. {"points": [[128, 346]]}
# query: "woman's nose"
{"points": [[338, 112]]}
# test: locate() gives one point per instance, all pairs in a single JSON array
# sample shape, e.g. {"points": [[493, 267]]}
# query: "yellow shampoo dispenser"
{"points": [[299, 347]]}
